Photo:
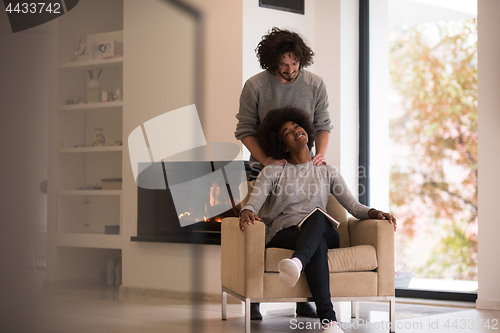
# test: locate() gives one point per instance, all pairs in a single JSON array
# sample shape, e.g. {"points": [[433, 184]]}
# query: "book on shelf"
{"points": [[334, 222]]}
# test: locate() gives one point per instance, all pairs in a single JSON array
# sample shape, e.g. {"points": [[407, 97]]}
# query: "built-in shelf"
{"points": [[88, 64], [89, 192], [104, 149], [82, 224], [90, 106], [102, 241]]}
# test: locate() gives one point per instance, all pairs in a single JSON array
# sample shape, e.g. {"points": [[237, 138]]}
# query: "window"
{"points": [[431, 117]]}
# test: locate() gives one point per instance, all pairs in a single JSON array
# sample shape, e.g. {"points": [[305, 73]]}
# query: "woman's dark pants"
{"points": [[311, 245]]}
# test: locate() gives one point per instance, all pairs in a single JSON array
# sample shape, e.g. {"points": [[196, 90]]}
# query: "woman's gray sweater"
{"points": [[288, 193]]}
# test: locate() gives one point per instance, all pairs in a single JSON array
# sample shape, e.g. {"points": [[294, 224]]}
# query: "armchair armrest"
{"points": [[242, 257], [380, 234]]}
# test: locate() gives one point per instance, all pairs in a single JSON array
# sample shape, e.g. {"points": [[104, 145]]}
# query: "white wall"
{"points": [[336, 48], [257, 21], [24, 108], [489, 153], [379, 117]]}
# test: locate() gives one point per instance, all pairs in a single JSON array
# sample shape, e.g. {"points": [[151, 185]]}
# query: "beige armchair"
{"points": [[362, 269]]}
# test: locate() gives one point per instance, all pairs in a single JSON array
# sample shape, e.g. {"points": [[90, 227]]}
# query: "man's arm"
{"points": [[321, 143], [253, 146], [322, 124]]}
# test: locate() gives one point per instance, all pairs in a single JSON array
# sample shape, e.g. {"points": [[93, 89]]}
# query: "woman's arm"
{"points": [[380, 215], [261, 190], [248, 217], [340, 190]]}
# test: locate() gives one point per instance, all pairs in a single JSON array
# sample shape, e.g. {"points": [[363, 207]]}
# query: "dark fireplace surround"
{"points": [[157, 218]]}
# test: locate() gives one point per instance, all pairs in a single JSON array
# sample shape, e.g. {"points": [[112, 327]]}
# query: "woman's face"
{"points": [[293, 135]]}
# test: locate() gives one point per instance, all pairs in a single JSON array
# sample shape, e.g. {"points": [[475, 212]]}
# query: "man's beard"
{"points": [[290, 77]]}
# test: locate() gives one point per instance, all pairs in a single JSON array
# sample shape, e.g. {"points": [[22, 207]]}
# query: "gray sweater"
{"points": [[264, 92], [288, 193]]}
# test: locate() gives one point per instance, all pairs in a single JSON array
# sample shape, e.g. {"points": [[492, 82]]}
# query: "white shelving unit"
{"points": [[82, 223], [90, 149], [91, 106], [77, 160], [92, 64], [90, 192]]}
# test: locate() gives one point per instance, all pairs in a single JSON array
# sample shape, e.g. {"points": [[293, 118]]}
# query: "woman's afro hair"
{"points": [[268, 135]]}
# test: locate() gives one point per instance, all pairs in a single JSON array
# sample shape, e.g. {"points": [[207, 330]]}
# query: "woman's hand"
{"points": [[319, 159], [379, 215], [271, 160], [248, 217]]}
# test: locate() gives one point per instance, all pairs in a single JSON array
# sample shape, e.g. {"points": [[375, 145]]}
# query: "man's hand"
{"points": [[319, 159], [247, 217], [379, 215], [271, 160]]}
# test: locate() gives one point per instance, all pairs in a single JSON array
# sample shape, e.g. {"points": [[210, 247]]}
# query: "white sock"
{"points": [[289, 272], [298, 262]]}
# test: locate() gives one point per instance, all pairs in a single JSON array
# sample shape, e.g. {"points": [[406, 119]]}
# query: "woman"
{"points": [[287, 193]]}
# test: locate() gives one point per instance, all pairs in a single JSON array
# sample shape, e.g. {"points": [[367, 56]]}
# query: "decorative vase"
{"points": [[94, 91], [98, 139]]}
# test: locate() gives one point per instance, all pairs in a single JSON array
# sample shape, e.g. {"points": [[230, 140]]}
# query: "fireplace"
{"points": [[167, 215]]}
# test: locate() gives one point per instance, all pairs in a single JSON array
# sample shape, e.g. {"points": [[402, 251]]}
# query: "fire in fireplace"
{"points": [[160, 220]]}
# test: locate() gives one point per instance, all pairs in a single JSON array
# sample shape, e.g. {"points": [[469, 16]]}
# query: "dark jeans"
{"points": [[311, 245]]}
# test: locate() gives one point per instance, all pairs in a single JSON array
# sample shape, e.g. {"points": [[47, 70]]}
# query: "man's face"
{"points": [[288, 67]]}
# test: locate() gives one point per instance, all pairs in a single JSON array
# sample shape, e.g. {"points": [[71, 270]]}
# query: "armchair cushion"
{"points": [[341, 285], [349, 259]]}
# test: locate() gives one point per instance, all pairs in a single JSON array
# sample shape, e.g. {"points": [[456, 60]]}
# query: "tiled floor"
{"points": [[98, 309]]}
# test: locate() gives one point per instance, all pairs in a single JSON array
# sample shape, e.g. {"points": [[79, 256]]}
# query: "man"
{"points": [[283, 55]]}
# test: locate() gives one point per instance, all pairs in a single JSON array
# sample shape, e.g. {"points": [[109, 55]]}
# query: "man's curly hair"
{"points": [[278, 42], [268, 135]]}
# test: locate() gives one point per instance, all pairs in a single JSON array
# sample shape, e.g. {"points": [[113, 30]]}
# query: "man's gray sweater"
{"points": [[264, 92]]}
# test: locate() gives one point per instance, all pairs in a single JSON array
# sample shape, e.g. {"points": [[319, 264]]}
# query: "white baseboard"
{"points": [[485, 304]]}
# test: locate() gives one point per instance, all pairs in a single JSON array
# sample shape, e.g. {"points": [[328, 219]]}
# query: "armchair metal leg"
{"points": [[392, 314], [224, 305], [247, 315], [354, 309]]}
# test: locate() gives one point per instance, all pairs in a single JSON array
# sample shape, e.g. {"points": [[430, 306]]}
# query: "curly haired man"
{"points": [[283, 55]]}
